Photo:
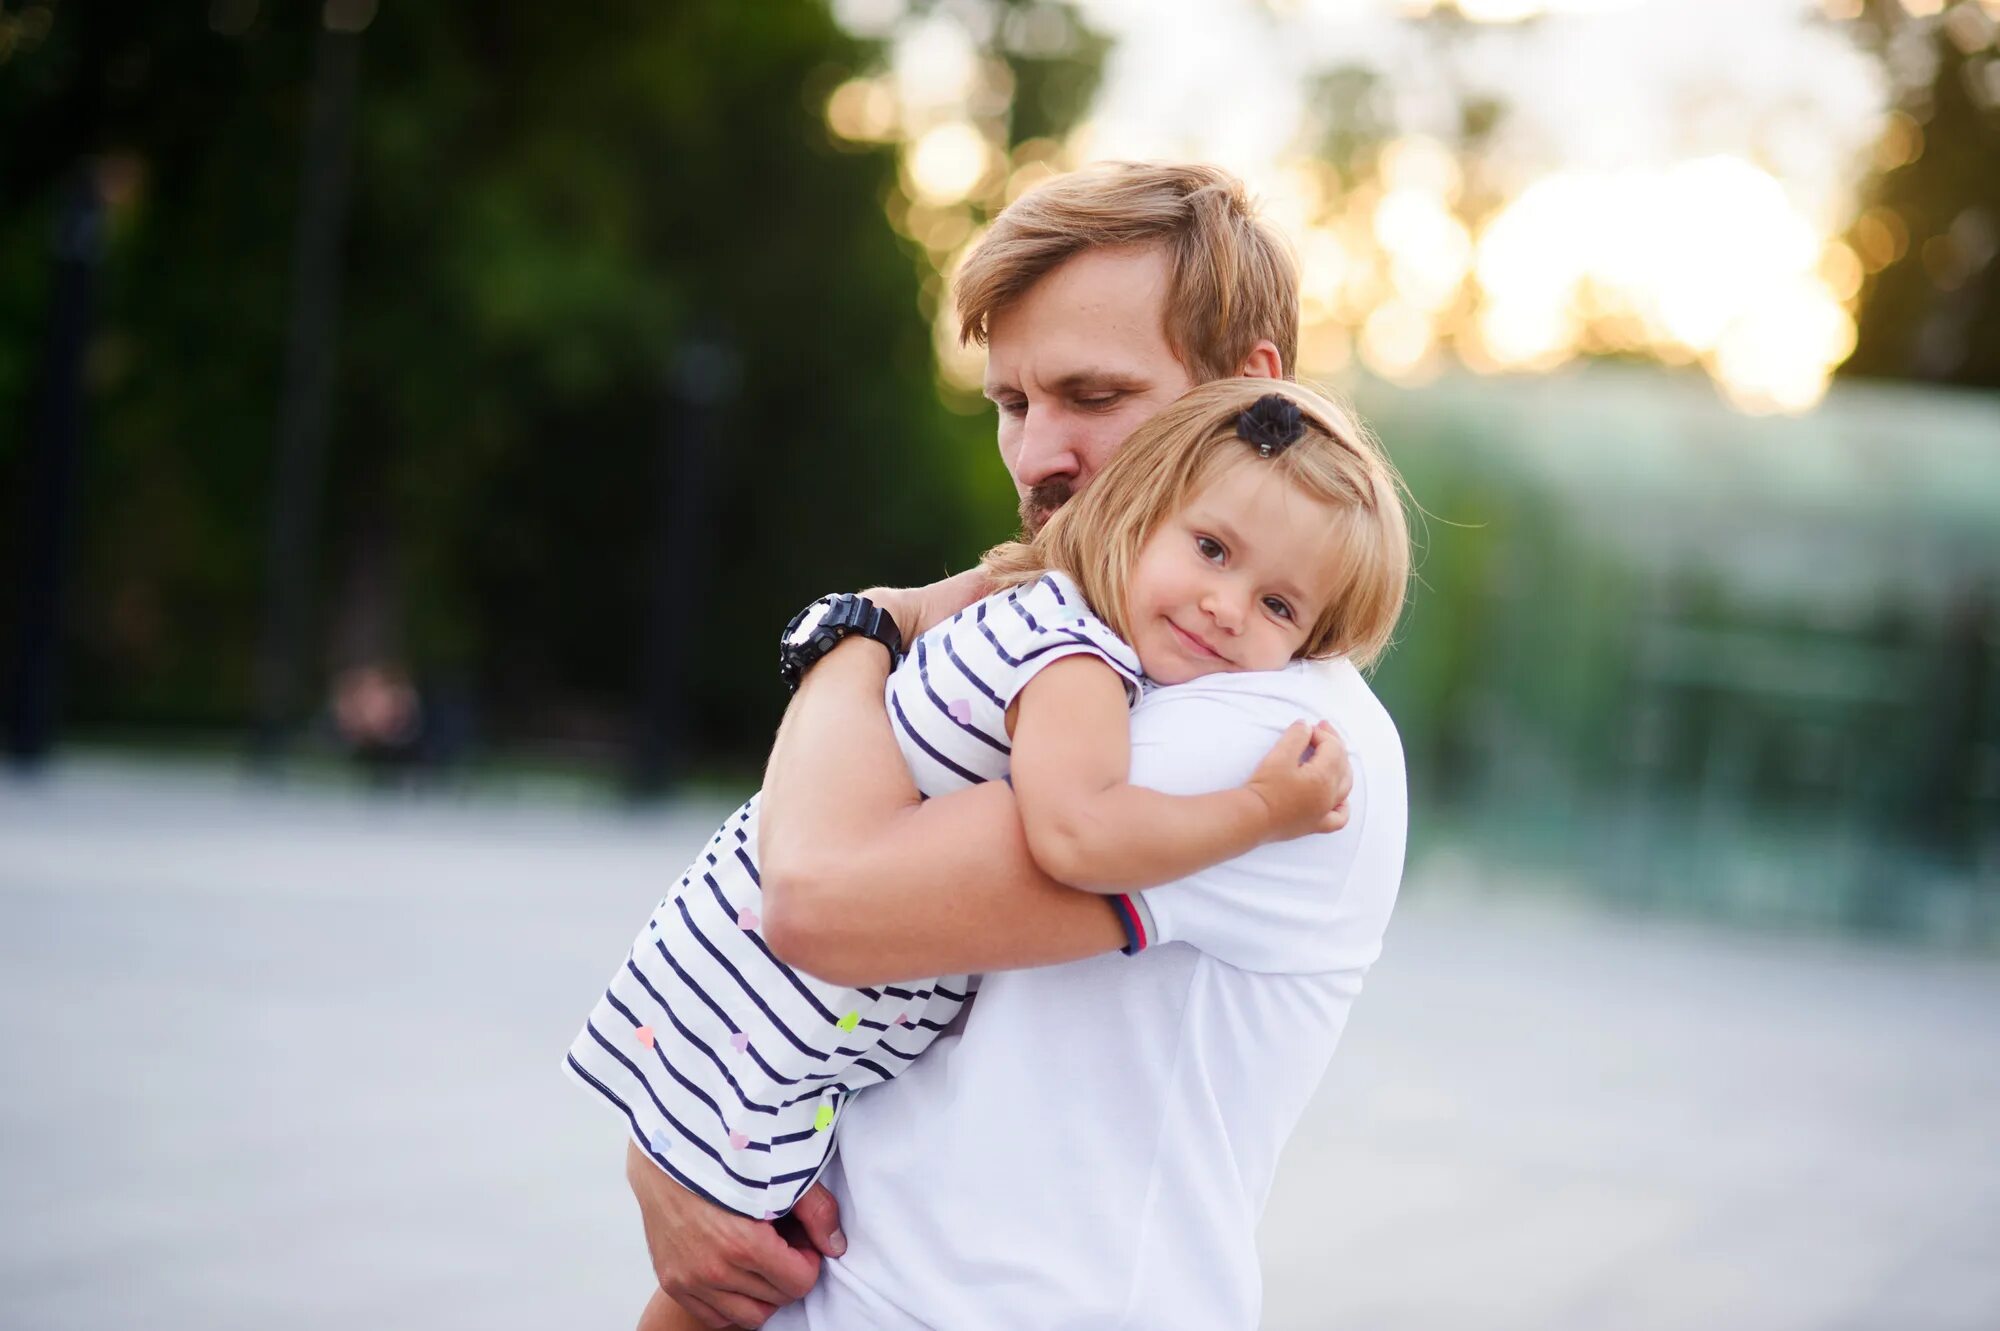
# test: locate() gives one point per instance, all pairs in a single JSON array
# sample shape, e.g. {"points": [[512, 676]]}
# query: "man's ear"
{"points": [[1263, 362]]}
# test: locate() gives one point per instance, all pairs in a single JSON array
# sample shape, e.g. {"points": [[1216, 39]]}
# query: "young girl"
{"points": [[1249, 525]]}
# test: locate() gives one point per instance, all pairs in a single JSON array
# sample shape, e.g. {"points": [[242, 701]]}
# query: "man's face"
{"points": [[1075, 365]]}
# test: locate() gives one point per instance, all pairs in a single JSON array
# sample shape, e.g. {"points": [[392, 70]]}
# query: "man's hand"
{"points": [[1304, 782], [916, 609], [727, 1271]]}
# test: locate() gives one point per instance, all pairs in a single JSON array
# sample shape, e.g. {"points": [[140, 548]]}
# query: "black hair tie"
{"points": [[1271, 424]]}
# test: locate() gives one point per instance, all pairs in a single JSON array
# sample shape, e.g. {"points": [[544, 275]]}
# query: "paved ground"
{"points": [[291, 1060]]}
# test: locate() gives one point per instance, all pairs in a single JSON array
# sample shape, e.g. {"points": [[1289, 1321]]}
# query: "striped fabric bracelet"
{"points": [[1132, 917]]}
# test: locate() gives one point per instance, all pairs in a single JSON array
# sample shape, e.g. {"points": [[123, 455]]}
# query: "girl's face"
{"points": [[1234, 580]]}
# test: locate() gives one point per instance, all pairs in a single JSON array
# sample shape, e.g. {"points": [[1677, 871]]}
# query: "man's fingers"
{"points": [[752, 1285], [699, 1309], [723, 1308], [738, 1310], [818, 1215], [723, 1270], [787, 1272]]}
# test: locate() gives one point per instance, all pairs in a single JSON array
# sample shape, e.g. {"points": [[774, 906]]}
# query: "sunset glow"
{"points": [[1411, 258]]}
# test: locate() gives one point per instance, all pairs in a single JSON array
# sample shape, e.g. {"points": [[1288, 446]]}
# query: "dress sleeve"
{"points": [[1035, 625]]}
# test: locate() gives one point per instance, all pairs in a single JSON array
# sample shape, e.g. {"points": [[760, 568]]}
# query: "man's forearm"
{"points": [[864, 882]]}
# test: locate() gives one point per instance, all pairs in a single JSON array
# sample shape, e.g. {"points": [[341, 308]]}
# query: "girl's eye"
{"points": [[1277, 607], [1211, 549]]}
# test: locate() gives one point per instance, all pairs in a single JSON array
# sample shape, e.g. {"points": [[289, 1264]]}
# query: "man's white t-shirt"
{"points": [[1095, 1148]]}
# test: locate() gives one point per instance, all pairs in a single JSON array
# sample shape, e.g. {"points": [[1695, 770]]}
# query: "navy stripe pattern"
{"points": [[729, 1067], [948, 700]]}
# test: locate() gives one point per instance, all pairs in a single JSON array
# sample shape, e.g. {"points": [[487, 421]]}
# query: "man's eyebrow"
{"points": [[1079, 380], [1097, 378]]}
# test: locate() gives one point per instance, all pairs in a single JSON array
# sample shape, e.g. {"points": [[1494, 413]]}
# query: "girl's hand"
{"points": [[1304, 781]]}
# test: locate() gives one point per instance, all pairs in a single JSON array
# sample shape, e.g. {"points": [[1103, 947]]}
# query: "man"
{"points": [[1092, 1148]]}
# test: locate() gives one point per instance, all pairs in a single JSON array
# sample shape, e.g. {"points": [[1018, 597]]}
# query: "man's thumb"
{"points": [[819, 1216]]}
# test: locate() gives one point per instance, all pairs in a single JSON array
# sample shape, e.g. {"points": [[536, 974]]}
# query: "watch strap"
{"points": [[847, 614]]}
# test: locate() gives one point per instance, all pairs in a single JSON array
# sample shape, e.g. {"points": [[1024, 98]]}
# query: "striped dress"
{"points": [[731, 1068]]}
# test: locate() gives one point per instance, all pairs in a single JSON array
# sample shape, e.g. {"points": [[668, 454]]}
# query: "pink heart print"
{"points": [[738, 1141], [902, 1020], [740, 1041], [747, 919], [961, 711], [645, 1034]]}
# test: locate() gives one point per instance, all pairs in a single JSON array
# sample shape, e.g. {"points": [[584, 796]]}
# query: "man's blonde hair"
{"points": [[1096, 537], [1232, 280]]}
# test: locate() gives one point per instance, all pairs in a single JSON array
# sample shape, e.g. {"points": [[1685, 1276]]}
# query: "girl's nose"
{"points": [[1221, 607]]}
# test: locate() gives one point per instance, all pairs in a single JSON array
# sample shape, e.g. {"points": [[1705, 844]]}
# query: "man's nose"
{"points": [[1048, 451]]}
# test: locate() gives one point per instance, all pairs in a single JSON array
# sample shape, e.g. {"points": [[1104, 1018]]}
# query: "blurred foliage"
{"points": [[1052, 91], [552, 218], [547, 209], [1933, 312]]}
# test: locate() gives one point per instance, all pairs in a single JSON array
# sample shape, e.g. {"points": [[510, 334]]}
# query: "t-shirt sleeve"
{"points": [[1281, 907], [1034, 626]]}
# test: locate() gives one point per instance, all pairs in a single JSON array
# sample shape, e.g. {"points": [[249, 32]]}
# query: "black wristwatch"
{"points": [[815, 629]]}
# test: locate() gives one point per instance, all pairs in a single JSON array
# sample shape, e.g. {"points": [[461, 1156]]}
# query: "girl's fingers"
{"points": [[1329, 750]]}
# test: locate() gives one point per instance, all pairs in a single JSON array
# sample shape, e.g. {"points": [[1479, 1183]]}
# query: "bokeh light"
{"points": [[948, 162], [1428, 247]]}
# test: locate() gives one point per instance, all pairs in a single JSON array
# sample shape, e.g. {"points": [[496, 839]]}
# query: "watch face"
{"points": [[808, 622]]}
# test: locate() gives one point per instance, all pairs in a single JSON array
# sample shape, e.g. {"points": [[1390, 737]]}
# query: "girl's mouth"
{"points": [[1193, 645]]}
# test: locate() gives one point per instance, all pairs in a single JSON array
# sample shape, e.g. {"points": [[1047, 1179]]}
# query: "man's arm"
{"points": [[865, 882], [993, 910]]}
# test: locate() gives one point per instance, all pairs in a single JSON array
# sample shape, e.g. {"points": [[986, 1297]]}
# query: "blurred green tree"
{"points": [[1933, 311], [548, 209]]}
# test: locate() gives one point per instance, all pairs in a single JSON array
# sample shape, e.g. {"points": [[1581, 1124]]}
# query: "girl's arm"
{"points": [[1088, 827], [866, 882]]}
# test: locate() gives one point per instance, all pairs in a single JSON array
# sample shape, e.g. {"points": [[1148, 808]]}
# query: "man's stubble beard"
{"points": [[1040, 504]]}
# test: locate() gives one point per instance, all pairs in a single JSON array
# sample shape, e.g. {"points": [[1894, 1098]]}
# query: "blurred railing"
{"points": [[1669, 655]]}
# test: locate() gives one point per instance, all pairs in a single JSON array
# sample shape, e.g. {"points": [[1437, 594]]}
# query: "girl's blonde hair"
{"points": [[1096, 537]]}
